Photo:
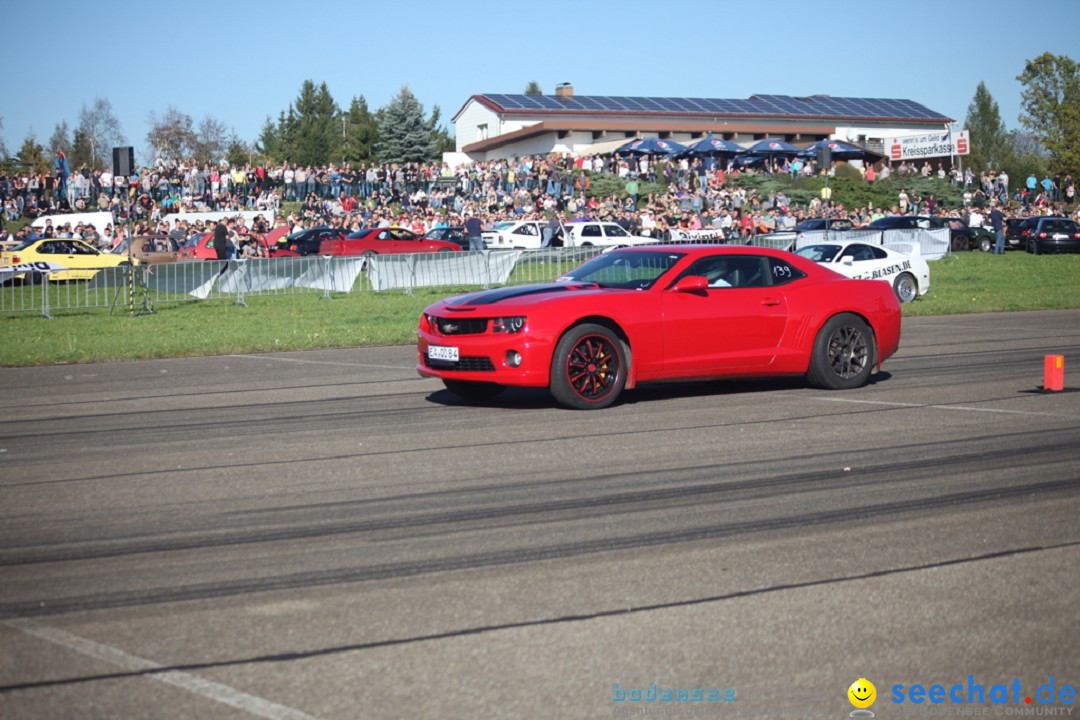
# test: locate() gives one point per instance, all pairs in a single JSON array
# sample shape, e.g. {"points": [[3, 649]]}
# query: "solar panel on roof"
{"points": [[815, 106]]}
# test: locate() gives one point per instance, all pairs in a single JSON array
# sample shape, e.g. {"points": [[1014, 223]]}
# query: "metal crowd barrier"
{"points": [[145, 286]]}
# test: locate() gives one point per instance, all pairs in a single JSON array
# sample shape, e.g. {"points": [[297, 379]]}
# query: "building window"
{"points": [[482, 131]]}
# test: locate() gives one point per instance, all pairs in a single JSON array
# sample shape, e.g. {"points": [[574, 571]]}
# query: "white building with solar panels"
{"points": [[489, 127]]}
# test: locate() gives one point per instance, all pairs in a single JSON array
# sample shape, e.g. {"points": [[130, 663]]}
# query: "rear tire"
{"points": [[588, 369], [906, 288], [844, 354], [986, 245], [473, 391]]}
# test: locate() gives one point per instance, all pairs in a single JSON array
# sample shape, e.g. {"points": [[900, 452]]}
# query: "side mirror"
{"points": [[847, 260], [691, 284]]}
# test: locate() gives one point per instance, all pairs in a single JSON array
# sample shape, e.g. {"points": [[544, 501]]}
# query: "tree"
{"points": [[31, 156], [359, 133], [238, 152], [404, 136], [533, 88], [268, 144], [315, 125], [1050, 108], [211, 140], [61, 139], [989, 141], [102, 131], [172, 137], [3, 145], [441, 139], [82, 153]]}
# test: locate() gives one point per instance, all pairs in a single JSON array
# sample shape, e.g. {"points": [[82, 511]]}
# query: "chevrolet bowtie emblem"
{"points": [[449, 328]]}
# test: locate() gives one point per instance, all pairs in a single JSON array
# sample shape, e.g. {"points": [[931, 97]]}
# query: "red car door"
{"points": [[737, 322]]}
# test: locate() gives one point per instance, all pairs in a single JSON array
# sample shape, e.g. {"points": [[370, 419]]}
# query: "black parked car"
{"points": [[964, 237], [306, 242], [449, 234], [961, 237], [824, 224], [1052, 235], [1014, 228]]}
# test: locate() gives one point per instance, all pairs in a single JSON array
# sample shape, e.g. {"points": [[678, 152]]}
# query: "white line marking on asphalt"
{"points": [[963, 408], [323, 362], [206, 688]]}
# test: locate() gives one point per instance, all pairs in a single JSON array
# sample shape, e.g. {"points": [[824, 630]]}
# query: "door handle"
{"points": [[771, 301]]}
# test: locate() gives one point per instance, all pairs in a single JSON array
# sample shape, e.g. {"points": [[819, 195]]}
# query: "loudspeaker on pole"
{"points": [[824, 157], [123, 160]]}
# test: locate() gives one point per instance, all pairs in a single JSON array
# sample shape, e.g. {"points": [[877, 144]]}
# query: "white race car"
{"points": [[603, 234], [907, 272], [515, 234]]}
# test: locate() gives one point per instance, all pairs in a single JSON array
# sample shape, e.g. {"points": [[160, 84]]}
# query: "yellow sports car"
{"points": [[81, 261]]}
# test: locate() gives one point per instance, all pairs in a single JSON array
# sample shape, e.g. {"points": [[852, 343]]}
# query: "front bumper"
{"points": [[483, 358]]}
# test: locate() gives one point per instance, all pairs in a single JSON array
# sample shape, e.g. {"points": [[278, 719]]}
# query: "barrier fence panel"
{"points": [[149, 285], [932, 244]]}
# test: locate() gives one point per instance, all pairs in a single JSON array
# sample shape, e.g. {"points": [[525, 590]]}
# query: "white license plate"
{"points": [[1059, 236], [442, 352]]}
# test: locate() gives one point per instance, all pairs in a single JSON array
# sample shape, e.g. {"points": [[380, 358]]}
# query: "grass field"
{"points": [[963, 283]]}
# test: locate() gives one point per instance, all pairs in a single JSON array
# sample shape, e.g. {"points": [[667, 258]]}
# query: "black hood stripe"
{"points": [[490, 297]]}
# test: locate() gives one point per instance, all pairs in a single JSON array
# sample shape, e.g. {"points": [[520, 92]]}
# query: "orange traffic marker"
{"points": [[1054, 372]]}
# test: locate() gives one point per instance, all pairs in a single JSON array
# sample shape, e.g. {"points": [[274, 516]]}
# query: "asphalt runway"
{"points": [[327, 535]]}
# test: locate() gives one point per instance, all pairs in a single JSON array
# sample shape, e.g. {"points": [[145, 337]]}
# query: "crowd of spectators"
{"points": [[420, 196]]}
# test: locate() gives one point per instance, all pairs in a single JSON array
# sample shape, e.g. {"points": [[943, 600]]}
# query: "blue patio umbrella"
{"points": [[651, 146], [839, 150], [715, 147], [771, 147]]}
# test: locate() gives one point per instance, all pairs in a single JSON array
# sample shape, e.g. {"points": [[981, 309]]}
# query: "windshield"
{"points": [[624, 269], [819, 253]]}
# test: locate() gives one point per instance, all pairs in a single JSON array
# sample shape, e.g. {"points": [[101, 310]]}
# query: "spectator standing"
{"points": [[222, 246], [474, 230], [997, 220]]}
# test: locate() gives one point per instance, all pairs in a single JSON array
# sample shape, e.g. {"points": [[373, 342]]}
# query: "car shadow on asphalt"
{"points": [[517, 398]]}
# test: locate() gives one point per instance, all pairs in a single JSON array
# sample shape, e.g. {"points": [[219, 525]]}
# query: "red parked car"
{"points": [[203, 248], [658, 313], [384, 241]]}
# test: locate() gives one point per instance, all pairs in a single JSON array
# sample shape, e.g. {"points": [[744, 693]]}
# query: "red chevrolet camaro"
{"points": [[660, 313]]}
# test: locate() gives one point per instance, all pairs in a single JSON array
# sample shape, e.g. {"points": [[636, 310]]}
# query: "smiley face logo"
{"points": [[862, 693]]}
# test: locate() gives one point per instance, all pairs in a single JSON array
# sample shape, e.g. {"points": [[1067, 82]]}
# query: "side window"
{"points": [[783, 272], [590, 231], [615, 231], [860, 252], [527, 230], [732, 271]]}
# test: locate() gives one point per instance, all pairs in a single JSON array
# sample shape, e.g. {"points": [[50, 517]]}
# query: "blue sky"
{"points": [[241, 61]]}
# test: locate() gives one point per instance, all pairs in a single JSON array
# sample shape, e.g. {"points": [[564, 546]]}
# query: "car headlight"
{"points": [[508, 325]]}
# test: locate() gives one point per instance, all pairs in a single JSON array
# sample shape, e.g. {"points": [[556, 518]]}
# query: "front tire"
{"points": [[906, 288], [588, 369], [986, 245], [843, 355], [473, 391]]}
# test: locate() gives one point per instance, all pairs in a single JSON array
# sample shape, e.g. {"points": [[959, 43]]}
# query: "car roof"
{"points": [[692, 249]]}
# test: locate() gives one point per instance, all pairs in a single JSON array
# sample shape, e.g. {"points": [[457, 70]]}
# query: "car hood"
{"points": [[519, 295]]}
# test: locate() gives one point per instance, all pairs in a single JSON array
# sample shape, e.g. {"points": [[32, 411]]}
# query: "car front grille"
{"points": [[464, 326], [466, 363]]}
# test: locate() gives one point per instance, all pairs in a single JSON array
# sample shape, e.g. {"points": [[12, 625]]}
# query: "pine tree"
{"points": [[315, 125], [360, 133], [404, 136], [989, 141]]}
